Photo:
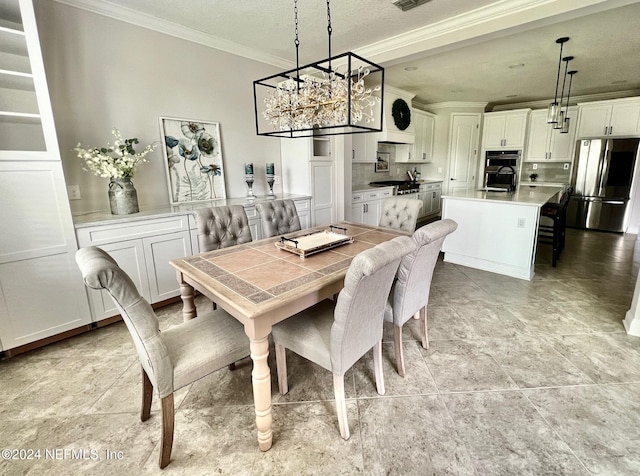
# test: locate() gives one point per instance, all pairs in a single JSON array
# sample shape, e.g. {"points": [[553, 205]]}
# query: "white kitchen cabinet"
{"points": [[366, 206], [424, 125], [41, 289], [505, 129], [546, 144], [615, 118], [430, 195], [143, 248], [364, 147], [308, 168]]}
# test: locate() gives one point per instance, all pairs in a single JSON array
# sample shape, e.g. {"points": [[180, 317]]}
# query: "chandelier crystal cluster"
{"points": [[338, 95]]}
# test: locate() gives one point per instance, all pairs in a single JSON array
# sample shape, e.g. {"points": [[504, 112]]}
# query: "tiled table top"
{"points": [[257, 275]]}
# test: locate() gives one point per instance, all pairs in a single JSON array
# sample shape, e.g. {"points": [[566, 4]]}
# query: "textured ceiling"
{"points": [[474, 68]]}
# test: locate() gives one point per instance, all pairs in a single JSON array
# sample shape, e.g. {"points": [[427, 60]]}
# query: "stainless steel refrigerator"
{"points": [[601, 180]]}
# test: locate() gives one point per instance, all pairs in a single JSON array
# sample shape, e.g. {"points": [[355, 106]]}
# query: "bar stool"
{"points": [[554, 233]]}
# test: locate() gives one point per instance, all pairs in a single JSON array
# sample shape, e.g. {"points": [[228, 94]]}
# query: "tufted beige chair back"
{"points": [[400, 213], [278, 217], [220, 227]]}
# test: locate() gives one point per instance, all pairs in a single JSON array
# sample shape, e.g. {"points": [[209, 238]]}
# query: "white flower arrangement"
{"points": [[117, 161]]}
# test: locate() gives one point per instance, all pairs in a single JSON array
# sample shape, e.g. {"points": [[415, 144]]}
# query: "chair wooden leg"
{"points": [[341, 405], [397, 348], [214, 306], [281, 366], [147, 396], [232, 366], [167, 430], [424, 328], [377, 367]]}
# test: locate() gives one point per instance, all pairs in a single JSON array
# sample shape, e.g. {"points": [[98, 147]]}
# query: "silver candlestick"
{"points": [[271, 180], [249, 179]]}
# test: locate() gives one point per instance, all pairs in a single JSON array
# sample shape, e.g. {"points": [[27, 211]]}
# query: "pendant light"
{"points": [[567, 119], [554, 108], [561, 113], [342, 94]]}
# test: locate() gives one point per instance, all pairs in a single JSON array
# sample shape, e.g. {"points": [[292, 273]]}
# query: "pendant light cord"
{"points": [[555, 98], [329, 29], [297, 43]]}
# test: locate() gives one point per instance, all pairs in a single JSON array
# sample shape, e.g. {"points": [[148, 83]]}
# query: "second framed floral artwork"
{"points": [[193, 157]]}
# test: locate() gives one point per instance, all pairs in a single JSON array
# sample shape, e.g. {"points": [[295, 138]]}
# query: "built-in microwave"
{"points": [[501, 168]]}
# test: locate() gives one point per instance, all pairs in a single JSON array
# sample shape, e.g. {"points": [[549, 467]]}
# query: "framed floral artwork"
{"points": [[193, 156]]}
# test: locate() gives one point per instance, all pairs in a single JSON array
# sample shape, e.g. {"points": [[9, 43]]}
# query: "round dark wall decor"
{"points": [[401, 114]]}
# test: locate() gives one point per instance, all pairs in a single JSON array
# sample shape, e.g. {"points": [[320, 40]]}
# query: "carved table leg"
{"points": [[261, 379], [188, 295]]}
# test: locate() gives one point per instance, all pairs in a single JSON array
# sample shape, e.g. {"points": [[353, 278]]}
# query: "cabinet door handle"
{"points": [[353, 154], [605, 130], [451, 178], [424, 156], [610, 130]]}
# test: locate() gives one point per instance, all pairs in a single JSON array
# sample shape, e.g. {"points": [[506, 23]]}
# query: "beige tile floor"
{"points": [[521, 378]]}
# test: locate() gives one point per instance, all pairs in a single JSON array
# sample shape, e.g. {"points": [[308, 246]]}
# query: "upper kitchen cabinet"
{"points": [[505, 129], [423, 126], [364, 147], [546, 143], [615, 118], [42, 289], [308, 168]]}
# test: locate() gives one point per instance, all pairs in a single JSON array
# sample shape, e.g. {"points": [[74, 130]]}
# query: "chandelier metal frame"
{"points": [[342, 94]]}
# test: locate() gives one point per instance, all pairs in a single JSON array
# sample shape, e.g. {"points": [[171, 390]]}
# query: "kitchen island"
{"points": [[497, 231]]}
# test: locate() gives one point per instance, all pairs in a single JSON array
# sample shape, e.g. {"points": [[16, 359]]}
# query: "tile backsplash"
{"points": [[365, 173], [547, 172]]}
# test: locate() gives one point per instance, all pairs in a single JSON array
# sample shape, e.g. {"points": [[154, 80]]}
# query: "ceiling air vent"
{"points": [[405, 5]]}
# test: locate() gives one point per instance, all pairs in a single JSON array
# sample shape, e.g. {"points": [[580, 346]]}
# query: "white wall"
{"points": [[104, 73]]}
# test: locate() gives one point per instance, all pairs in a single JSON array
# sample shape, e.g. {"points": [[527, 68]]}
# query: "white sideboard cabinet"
{"points": [[143, 248]]}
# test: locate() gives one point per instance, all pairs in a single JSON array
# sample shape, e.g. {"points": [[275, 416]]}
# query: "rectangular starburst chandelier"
{"points": [[341, 94]]}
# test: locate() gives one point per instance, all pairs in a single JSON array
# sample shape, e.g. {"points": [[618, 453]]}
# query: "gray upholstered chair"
{"points": [[400, 213], [170, 359], [278, 217], [220, 227], [336, 334], [410, 293]]}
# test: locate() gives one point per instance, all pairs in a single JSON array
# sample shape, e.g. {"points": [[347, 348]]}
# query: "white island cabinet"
{"points": [[497, 231]]}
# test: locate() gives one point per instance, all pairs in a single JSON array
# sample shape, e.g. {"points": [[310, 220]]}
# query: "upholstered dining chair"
{"points": [[410, 292], [220, 227], [400, 213], [278, 217], [336, 334], [170, 359]]}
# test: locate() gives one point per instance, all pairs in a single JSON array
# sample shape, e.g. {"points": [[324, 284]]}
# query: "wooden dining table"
{"points": [[261, 285]]}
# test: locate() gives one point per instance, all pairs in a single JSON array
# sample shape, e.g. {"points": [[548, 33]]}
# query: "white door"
{"points": [[463, 150]]}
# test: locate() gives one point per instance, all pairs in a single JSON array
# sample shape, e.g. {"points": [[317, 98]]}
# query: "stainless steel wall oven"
{"points": [[501, 169]]}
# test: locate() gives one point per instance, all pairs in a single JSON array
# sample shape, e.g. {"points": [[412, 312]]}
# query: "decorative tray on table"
{"points": [[312, 243]]}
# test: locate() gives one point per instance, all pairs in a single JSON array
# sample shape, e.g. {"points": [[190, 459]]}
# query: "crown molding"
{"points": [[437, 106], [484, 21], [133, 17], [543, 104]]}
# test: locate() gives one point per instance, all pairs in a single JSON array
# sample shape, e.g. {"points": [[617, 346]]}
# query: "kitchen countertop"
{"points": [[103, 217], [366, 187], [526, 195]]}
